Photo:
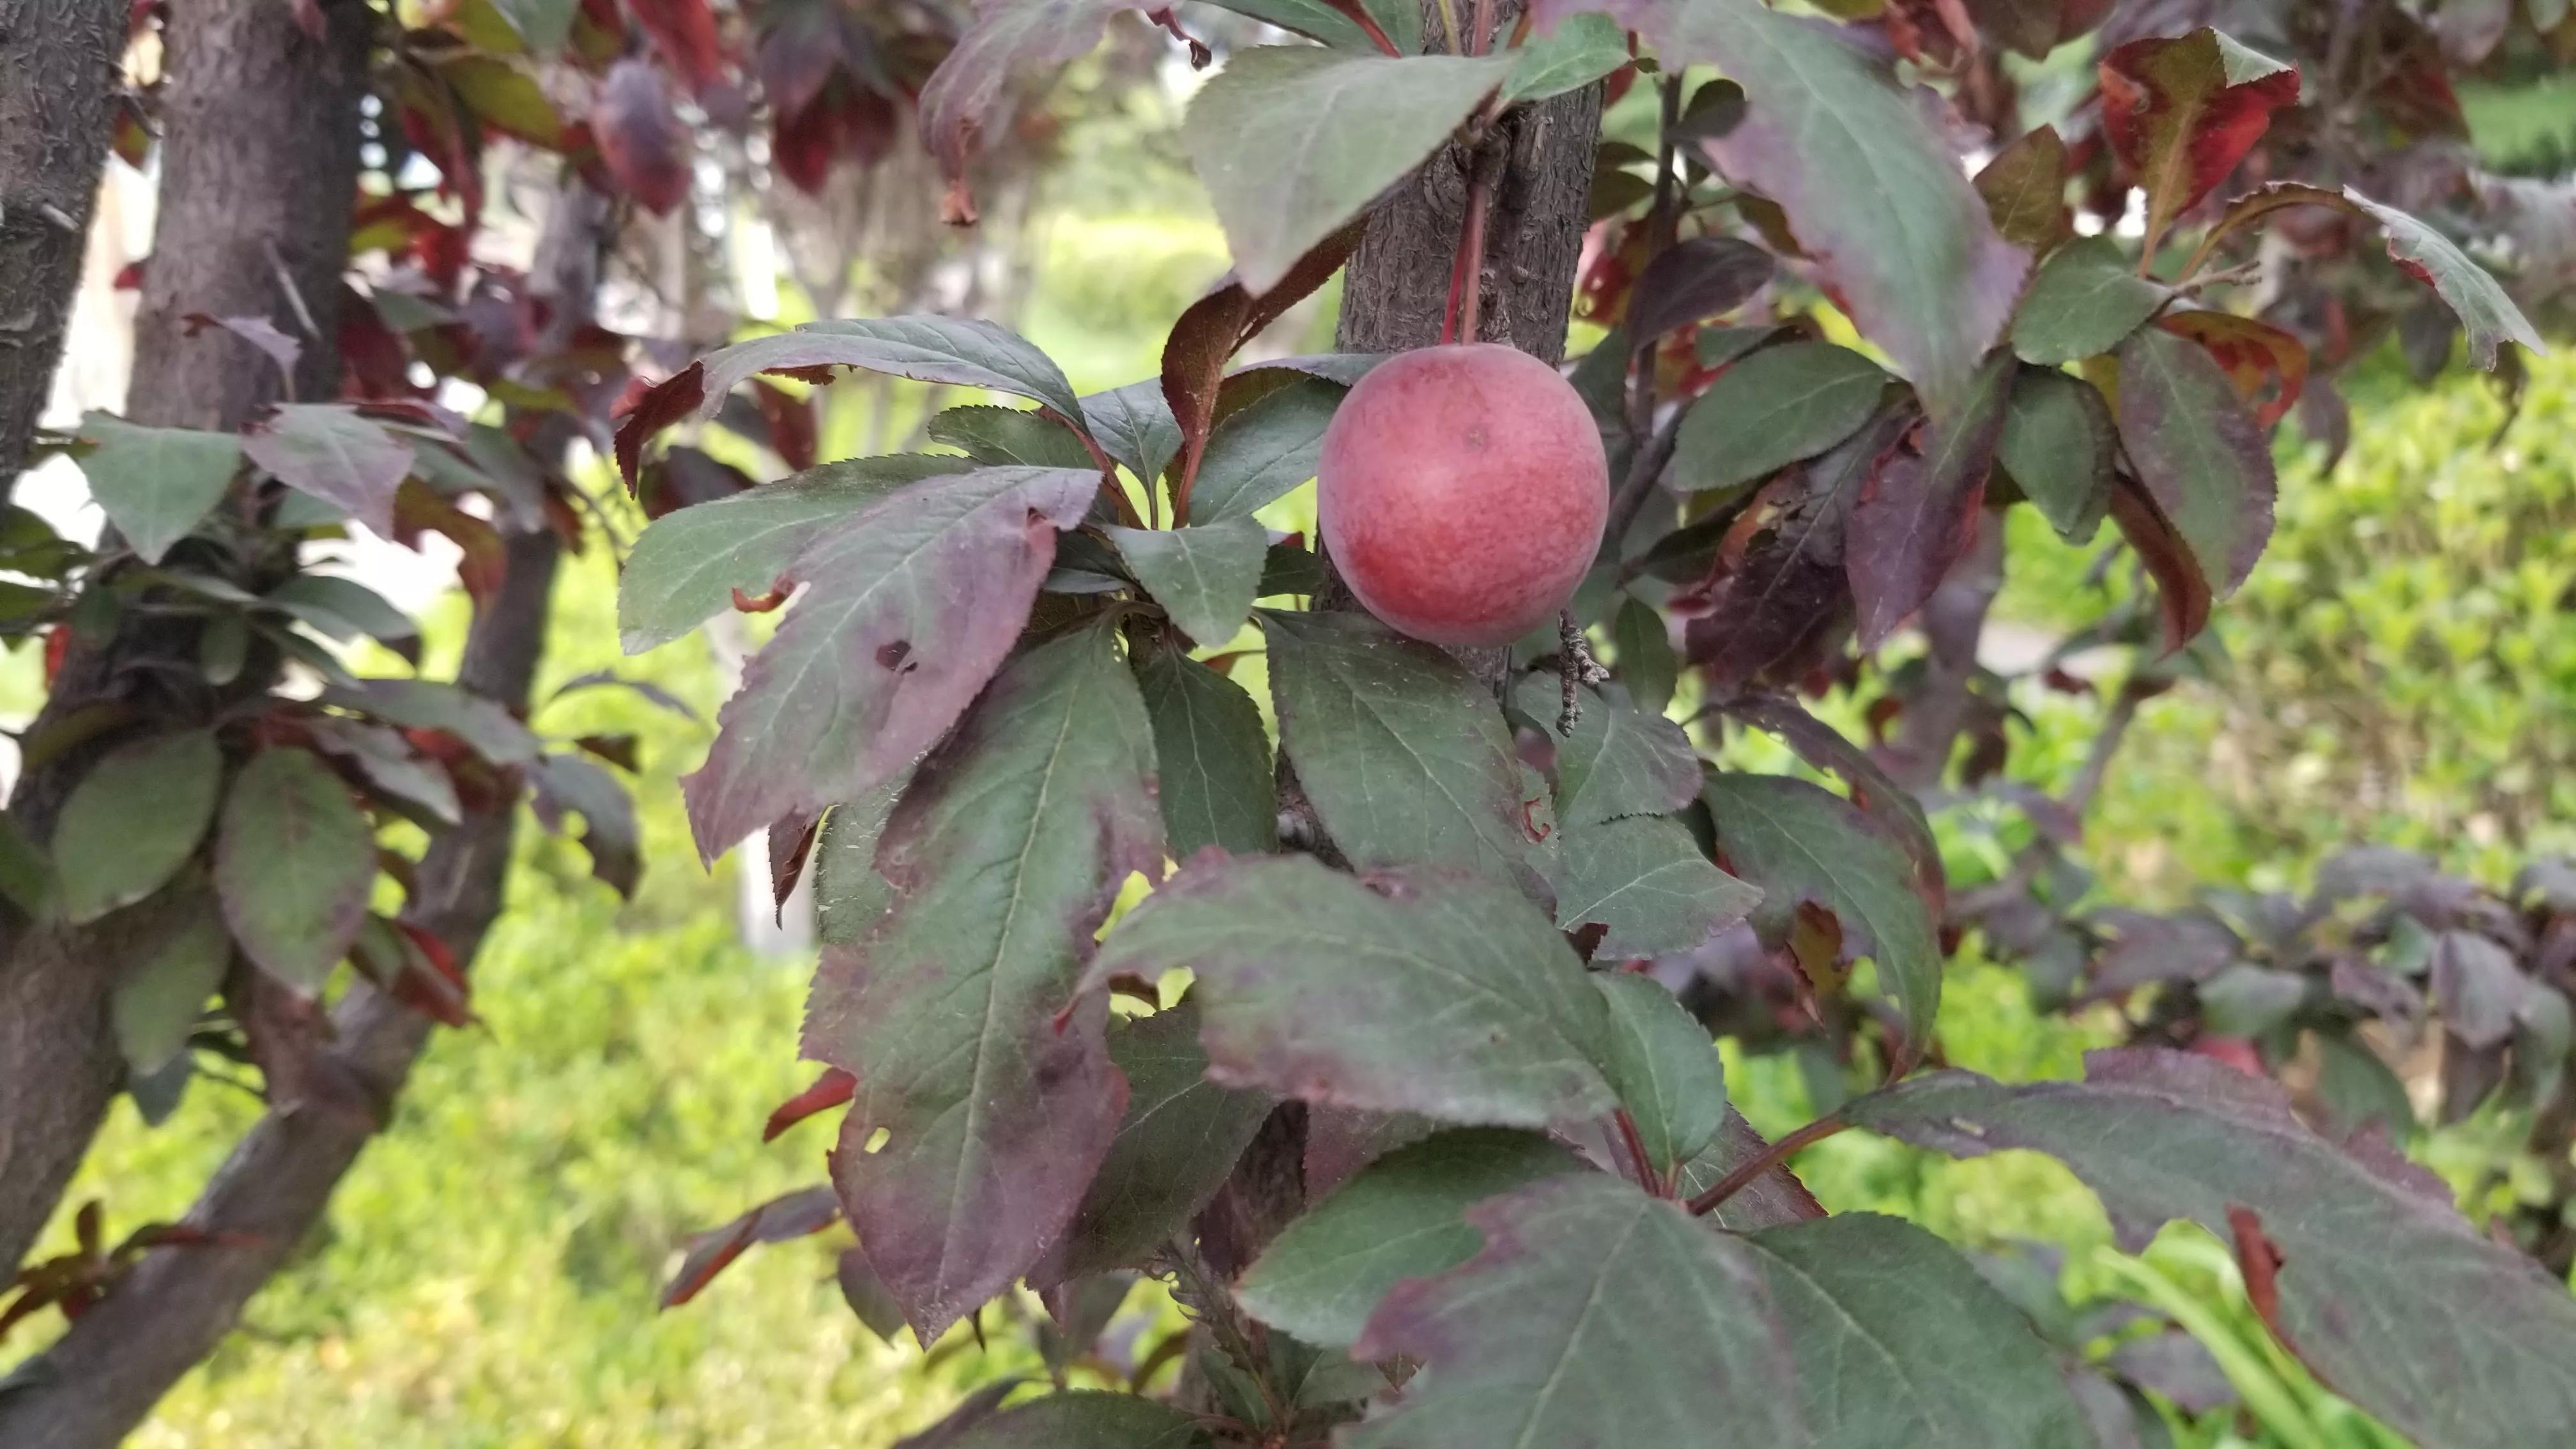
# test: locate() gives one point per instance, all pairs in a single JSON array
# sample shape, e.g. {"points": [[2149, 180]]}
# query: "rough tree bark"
{"points": [[99, 1381], [57, 97], [259, 173], [1395, 295]]}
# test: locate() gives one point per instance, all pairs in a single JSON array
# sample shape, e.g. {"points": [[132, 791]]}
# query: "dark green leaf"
{"points": [[1135, 426], [1085, 1419], [686, 566], [999, 1103], [1404, 1216], [908, 609], [1180, 1138], [1619, 761], [2059, 447], [164, 988], [1263, 449], [2086, 298], [569, 781], [1217, 786], [1798, 843], [133, 819], [997, 437], [343, 609], [1401, 21], [294, 863], [1771, 409], [1870, 184], [924, 348], [1664, 1067], [849, 895], [2393, 1298], [1403, 753], [2247, 1001], [328, 451], [492, 731], [1203, 575], [155, 483], [1288, 570], [1645, 879], [2486, 312], [1427, 992], [1583, 49], [1899, 1342], [1594, 1315], [1292, 141], [2200, 454], [1643, 657]]}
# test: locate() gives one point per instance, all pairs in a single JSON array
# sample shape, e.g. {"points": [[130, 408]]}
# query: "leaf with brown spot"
{"points": [[2268, 366], [947, 568], [2200, 453]]}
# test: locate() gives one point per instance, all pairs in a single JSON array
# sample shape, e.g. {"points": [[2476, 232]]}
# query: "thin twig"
{"points": [[1482, 38], [1449, 25], [1467, 278], [1109, 488], [1574, 666], [2097, 761], [1645, 468], [1770, 1157], [1661, 224]]}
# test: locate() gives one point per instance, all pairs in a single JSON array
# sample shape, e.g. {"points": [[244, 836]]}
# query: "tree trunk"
{"points": [[1395, 295], [100, 1380], [57, 98], [259, 174]]}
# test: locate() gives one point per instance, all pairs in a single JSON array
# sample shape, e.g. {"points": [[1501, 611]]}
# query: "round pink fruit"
{"points": [[1461, 493]]}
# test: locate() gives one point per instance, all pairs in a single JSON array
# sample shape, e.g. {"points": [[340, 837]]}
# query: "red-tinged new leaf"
{"points": [[330, 452], [781, 1219], [2199, 451], [2261, 202], [2268, 366], [2486, 313], [684, 31], [999, 1103], [1334, 989], [640, 138], [1855, 159], [1918, 513], [911, 605], [655, 408], [2024, 188], [2382, 1287], [2183, 595], [1213, 329], [970, 96], [791, 424], [2181, 114], [1628, 1323], [832, 1089]]}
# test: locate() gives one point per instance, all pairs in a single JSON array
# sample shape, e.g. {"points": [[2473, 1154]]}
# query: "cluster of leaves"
{"points": [[1385, 964]]}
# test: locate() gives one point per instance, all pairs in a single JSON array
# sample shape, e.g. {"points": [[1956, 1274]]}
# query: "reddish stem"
{"points": [[1647, 1178], [1770, 1157], [1481, 38], [1466, 276], [1358, 14], [1109, 488]]}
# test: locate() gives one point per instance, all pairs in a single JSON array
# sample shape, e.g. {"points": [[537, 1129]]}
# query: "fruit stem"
{"points": [[1466, 277]]}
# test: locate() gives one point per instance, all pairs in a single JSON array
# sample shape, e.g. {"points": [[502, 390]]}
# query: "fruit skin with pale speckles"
{"points": [[1461, 493]]}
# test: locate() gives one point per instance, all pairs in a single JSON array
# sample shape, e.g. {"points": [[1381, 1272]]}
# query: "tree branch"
{"points": [[103, 1376]]}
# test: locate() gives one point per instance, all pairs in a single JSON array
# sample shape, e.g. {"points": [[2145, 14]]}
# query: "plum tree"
{"points": [[1461, 492]]}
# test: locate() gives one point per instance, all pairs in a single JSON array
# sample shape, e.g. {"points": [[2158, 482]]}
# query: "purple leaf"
{"points": [[998, 1102], [2200, 454], [969, 96], [1918, 513], [909, 607], [1083, 1419], [2393, 1298], [1701, 277], [781, 1219], [1629, 1322], [330, 452], [1856, 159]]}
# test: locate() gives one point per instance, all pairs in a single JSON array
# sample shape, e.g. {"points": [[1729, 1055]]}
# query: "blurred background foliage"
{"points": [[2399, 669]]}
